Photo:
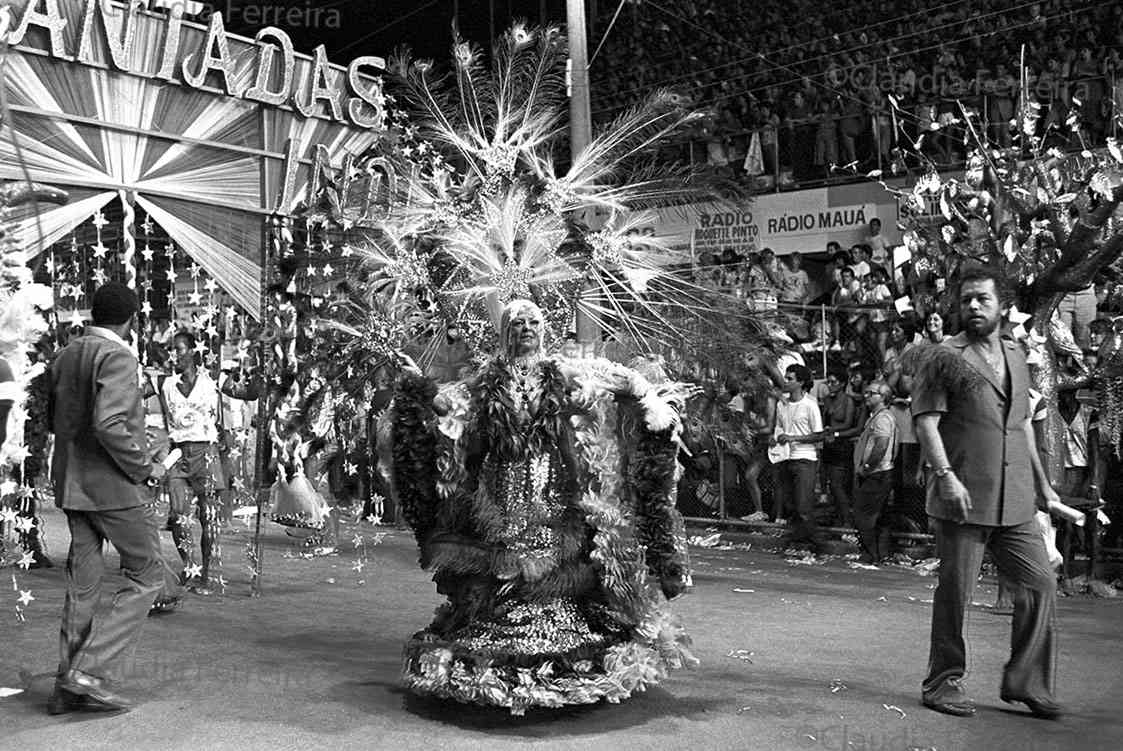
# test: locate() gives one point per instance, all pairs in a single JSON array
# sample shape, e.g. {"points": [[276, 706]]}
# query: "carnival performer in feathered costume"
{"points": [[541, 493], [540, 489]]}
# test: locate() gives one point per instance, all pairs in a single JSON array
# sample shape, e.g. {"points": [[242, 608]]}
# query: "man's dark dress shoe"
{"points": [[97, 695], [1045, 708], [954, 708]]}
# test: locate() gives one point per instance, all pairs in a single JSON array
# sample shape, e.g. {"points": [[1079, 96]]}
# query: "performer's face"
{"points": [[979, 307], [525, 335]]}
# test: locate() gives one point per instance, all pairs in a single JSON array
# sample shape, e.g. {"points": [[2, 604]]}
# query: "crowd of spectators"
{"points": [[820, 92], [847, 330]]}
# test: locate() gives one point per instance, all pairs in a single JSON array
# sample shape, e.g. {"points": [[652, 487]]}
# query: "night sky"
{"points": [[350, 28]]}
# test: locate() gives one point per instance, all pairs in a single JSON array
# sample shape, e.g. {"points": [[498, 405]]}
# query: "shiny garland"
{"points": [[498, 416]]}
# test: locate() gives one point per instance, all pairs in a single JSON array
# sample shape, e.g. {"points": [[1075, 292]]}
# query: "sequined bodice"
{"points": [[525, 491]]}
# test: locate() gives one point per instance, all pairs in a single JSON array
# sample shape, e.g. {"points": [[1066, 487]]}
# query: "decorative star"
{"points": [[351, 468], [100, 277], [146, 308], [146, 225], [99, 220], [172, 276], [24, 524], [25, 597], [26, 560], [374, 519], [18, 455], [99, 250], [211, 285], [357, 540], [193, 571], [328, 270], [357, 566], [169, 249], [76, 320], [211, 330], [346, 250], [195, 271], [239, 484], [195, 298], [222, 582], [7, 515], [147, 253]]}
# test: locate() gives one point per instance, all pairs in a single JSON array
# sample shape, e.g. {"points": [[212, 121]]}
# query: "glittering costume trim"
{"points": [[564, 615]]}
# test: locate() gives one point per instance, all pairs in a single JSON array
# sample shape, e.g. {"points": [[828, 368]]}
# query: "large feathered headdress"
{"points": [[488, 217]]}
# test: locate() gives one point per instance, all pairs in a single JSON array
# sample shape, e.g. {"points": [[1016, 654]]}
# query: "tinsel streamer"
{"points": [[169, 251], [128, 236], [99, 250]]}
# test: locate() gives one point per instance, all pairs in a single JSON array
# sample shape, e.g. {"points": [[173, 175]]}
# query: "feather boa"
{"points": [[414, 448]]}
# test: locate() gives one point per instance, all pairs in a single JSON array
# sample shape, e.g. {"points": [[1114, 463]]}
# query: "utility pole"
{"points": [[580, 131]]}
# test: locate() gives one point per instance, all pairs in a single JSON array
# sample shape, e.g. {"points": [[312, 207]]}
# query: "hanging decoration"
{"points": [[22, 324]]}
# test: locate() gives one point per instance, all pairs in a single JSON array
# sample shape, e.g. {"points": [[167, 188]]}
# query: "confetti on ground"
{"points": [[741, 654], [742, 710], [927, 567], [883, 598], [709, 541], [837, 685], [743, 590], [864, 566], [895, 708], [810, 737], [5, 692]]}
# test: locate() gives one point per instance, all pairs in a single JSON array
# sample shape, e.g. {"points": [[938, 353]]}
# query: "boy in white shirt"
{"points": [[799, 427]]}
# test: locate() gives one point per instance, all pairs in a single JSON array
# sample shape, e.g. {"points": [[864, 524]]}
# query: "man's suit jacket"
{"points": [[984, 437], [101, 453]]}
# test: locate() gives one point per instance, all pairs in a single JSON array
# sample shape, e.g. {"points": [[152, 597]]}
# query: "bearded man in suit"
{"points": [[100, 469], [986, 476]]}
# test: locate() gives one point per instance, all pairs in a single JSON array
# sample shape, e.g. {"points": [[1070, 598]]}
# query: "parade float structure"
{"points": [[205, 139]]}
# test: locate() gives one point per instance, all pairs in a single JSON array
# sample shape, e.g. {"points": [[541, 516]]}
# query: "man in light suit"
{"points": [[979, 444], [100, 469]]}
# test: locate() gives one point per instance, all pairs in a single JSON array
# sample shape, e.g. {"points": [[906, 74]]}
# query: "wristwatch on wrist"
{"points": [[943, 472]]}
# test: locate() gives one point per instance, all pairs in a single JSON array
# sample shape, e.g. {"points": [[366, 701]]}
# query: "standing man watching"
{"points": [[873, 473], [980, 445], [101, 465], [799, 427]]}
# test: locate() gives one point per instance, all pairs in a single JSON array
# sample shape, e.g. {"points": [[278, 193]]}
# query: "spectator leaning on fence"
{"points": [[873, 472]]}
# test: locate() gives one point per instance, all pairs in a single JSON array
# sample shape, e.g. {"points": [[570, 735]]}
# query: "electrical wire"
{"points": [[607, 31], [767, 56], [382, 28], [838, 92], [926, 11]]}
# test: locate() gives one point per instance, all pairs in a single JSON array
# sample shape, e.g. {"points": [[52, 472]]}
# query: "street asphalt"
{"points": [[794, 656]]}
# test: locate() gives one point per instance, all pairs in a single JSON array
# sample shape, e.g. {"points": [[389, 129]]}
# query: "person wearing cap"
{"points": [[100, 470]]}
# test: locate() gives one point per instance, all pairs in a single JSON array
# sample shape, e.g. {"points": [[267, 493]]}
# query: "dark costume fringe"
{"points": [[415, 454], [938, 368]]}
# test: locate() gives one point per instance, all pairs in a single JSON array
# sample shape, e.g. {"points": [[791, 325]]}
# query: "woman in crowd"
{"points": [[934, 327]]}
